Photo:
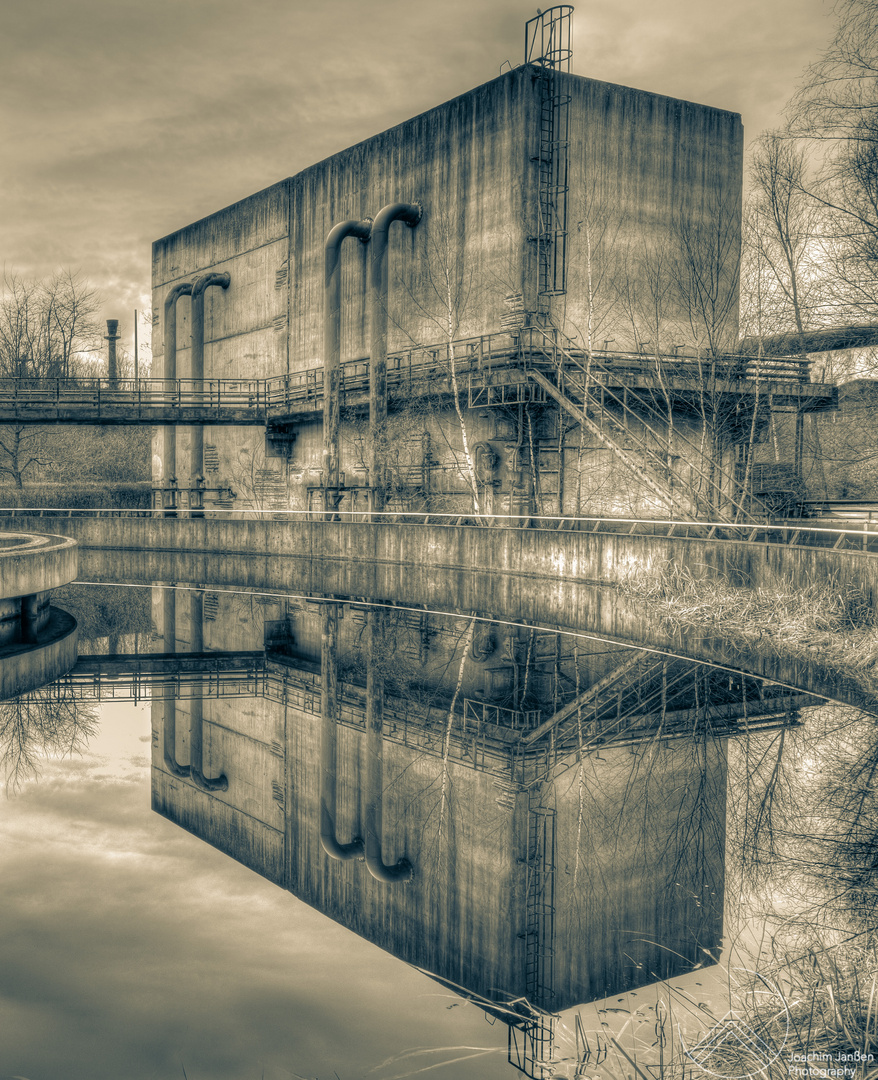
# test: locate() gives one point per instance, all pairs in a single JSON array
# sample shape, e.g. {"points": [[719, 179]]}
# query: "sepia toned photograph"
{"points": [[439, 494]]}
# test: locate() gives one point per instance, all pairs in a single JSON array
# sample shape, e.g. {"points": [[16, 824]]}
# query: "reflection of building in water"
{"points": [[524, 866]]}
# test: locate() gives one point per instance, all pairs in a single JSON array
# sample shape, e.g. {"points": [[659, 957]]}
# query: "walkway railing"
{"points": [[860, 537], [256, 401]]}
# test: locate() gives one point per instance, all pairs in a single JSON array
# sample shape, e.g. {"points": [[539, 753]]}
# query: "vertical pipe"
{"points": [[410, 214], [196, 446], [196, 702], [402, 871], [329, 740], [169, 374], [169, 634], [332, 353]]}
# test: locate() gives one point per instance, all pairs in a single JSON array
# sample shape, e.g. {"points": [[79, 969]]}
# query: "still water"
{"points": [[268, 835]]}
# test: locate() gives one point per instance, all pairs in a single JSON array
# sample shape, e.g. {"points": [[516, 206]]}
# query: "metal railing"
{"points": [[795, 532], [407, 370]]}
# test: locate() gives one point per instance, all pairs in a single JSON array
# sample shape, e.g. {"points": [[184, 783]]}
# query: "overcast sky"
{"points": [[123, 121]]}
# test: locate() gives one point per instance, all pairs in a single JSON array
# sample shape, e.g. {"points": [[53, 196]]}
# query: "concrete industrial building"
{"points": [[547, 231]]}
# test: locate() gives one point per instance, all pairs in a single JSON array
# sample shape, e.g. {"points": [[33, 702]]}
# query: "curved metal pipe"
{"points": [[410, 214], [169, 741], [332, 350], [402, 871], [328, 741], [169, 373], [196, 445], [196, 703]]}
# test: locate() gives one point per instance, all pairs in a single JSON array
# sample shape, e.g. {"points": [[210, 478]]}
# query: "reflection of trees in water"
{"points": [[106, 610], [46, 723], [807, 822]]}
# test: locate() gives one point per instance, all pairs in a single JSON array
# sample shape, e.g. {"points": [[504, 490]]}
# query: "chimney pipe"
{"points": [[112, 338]]}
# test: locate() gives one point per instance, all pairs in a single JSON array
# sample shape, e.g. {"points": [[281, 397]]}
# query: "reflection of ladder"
{"points": [[633, 426], [531, 1043], [548, 45], [540, 903]]}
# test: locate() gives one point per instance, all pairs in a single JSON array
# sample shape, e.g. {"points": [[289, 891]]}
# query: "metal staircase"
{"points": [[634, 426]]}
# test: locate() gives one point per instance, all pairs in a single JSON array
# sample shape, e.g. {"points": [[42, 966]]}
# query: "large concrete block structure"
{"points": [[559, 230]]}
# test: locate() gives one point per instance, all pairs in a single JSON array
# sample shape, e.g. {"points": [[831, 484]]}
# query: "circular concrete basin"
{"points": [[38, 643], [31, 564]]}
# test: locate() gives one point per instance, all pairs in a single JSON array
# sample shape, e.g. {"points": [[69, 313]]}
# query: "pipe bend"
{"points": [[409, 213], [401, 872], [206, 280], [174, 767], [183, 289], [335, 850], [219, 783], [362, 230]]}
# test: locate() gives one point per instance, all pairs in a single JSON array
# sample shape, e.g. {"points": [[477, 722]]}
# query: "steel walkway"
{"points": [[484, 366]]}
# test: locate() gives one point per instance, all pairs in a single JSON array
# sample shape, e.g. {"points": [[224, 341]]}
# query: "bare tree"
{"points": [[47, 329], [836, 108], [783, 233], [46, 723]]}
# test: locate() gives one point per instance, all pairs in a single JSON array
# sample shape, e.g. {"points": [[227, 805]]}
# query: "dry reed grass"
{"points": [[831, 621]]}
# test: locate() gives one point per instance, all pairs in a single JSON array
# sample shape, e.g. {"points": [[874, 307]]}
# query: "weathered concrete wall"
{"points": [[640, 896], [644, 171], [30, 565], [27, 667], [246, 325]]}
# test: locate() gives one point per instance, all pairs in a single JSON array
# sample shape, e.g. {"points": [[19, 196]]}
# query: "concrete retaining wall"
{"points": [[556, 579]]}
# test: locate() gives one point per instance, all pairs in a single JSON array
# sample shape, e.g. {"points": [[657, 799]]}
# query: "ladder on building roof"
{"points": [[548, 46]]}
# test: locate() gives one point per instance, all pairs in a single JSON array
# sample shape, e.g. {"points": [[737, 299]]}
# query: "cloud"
{"points": [[130, 946], [125, 121]]}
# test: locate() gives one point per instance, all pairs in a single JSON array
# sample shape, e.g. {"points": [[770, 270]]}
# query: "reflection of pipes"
{"points": [[328, 742], [169, 631], [410, 213], [196, 702], [332, 352], [196, 446], [375, 762], [169, 366]]}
